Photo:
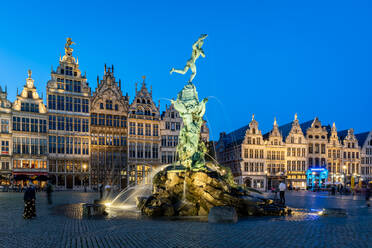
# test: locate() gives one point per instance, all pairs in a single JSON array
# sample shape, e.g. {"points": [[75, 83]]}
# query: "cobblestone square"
{"points": [[51, 229]]}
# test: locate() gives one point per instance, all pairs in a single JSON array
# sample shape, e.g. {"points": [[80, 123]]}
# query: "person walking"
{"points": [[100, 188], [368, 194], [49, 190], [29, 199], [282, 188]]}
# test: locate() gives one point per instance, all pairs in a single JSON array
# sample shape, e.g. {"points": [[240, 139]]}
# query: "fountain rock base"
{"points": [[203, 191]]}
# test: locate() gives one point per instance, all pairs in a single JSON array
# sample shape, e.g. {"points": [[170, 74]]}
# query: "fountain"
{"points": [[192, 186]]}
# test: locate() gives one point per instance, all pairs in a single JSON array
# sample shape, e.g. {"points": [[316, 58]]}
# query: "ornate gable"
{"points": [[5, 104], [109, 90], [295, 131], [143, 104], [29, 99]]}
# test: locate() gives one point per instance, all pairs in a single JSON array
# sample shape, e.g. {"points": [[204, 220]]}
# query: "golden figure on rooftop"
{"points": [[68, 49]]}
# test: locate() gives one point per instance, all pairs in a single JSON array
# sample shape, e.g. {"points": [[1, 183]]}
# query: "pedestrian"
{"points": [[29, 199], [282, 188], [49, 190], [100, 188], [368, 194]]}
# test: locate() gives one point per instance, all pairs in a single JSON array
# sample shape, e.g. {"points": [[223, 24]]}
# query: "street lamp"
{"points": [[266, 183]]}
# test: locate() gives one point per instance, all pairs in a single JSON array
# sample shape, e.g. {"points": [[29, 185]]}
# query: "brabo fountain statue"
{"points": [[192, 186]]}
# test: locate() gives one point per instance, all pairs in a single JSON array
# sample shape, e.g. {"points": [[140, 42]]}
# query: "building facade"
{"points": [[296, 145], [365, 143], [334, 162], [143, 136], [351, 156], [108, 131], [252, 165], [68, 118], [29, 133], [5, 138]]}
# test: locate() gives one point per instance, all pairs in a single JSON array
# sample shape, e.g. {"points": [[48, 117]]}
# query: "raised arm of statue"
{"points": [[179, 106]]}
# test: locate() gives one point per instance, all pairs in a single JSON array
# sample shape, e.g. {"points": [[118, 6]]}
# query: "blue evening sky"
{"points": [[271, 58]]}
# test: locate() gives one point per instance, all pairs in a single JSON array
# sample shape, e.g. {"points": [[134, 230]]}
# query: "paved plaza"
{"points": [[52, 228]]}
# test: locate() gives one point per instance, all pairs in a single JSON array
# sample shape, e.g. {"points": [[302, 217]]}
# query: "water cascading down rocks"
{"points": [[192, 186]]}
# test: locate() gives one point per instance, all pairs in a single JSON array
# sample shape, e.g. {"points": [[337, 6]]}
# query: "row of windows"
{"points": [[168, 157], [108, 120], [30, 107], [367, 160], [141, 150], [366, 171], [253, 167], [254, 140], [369, 151], [68, 124], [67, 84], [68, 103], [319, 148], [296, 152], [257, 153], [172, 125], [109, 105], [336, 153], [29, 164], [275, 155], [140, 129], [351, 155], [68, 166], [292, 140], [108, 140], [68, 145], [316, 137], [172, 114], [296, 166], [275, 168], [29, 124], [169, 141], [33, 146], [317, 162]]}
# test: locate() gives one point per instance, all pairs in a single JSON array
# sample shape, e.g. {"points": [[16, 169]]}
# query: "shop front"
{"points": [[22, 178], [317, 177]]}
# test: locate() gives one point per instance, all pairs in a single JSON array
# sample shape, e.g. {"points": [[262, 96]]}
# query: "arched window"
{"points": [[138, 101], [310, 136], [254, 131], [143, 101], [148, 102]]}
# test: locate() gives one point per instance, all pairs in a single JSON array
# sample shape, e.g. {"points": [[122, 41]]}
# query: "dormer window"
{"points": [[109, 104], [68, 70], [101, 105], [138, 101], [29, 94], [143, 101]]}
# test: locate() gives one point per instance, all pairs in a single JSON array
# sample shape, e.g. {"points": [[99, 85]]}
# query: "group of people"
{"points": [[29, 199]]}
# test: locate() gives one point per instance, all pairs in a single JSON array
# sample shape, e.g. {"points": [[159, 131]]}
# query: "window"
{"points": [[77, 86], [170, 141], [60, 103], [101, 105], [77, 125], [123, 141], [323, 148], [101, 120], [317, 148], [116, 121], [77, 145], [42, 126], [148, 130], [245, 153], [132, 128], [85, 105], [123, 121], [93, 120], [52, 144], [167, 125], [16, 123], [109, 120], [139, 150], [288, 151], [77, 106], [51, 101], [84, 126], [246, 166], [85, 146], [109, 104], [68, 103], [68, 124], [61, 144], [68, 85], [155, 151], [4, 147], [155, 130], [140, 129], [25, 124], [5, 126], [69, 145], [163, 141], [116, 107], [60, 123], [178, 126], [68, 70], [132, 150], [147, 150], [34, 125]]}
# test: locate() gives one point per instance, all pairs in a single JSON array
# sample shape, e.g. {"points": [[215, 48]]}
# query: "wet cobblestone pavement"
{"points": [[60, 225]]}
